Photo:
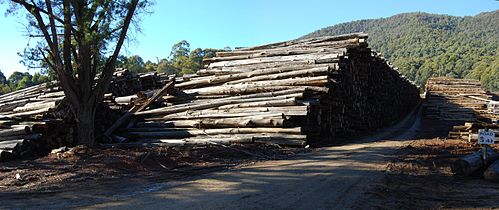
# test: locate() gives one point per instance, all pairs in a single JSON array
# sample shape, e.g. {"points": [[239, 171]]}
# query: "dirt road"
{"points": [[333, 177]]}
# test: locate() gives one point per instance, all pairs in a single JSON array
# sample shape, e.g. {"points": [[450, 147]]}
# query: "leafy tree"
{"points": [[183, 61], [121, 61], [210, 52], [164, 66], [39, 78], [181, 49], [135, 64], [150, 66], [16, 77], [80, 41], [25, 82], [197, 56], [3, 79]]}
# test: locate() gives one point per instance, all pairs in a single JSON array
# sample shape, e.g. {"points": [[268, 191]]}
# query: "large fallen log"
{"points": [[492, 173], [472, 162]]}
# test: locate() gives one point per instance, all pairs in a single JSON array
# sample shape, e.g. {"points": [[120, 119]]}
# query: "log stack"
{"points": [[463, 103], [21, 114], [469, 131], [455, 99], [313, 91], [37, 118]]}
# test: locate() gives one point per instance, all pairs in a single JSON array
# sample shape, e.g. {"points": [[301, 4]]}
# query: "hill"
{"points": [[424, 45]]}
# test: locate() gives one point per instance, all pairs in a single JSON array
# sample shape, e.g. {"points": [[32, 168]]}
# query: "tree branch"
{"points": [[108, 71], [65, 72], [28, 5], [52, 25]]}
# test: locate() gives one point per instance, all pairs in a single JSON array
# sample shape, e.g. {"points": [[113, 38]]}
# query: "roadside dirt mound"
{"points": [[422, 173]]}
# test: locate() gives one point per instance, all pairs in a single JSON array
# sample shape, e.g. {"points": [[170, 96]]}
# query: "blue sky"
{"points": [[238, 23]]}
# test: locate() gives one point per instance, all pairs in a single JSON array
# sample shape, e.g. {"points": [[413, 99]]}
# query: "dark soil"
{"points": [[80, 165], [421, 178]]}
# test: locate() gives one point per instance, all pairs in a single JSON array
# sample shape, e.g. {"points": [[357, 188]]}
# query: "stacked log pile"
{"points": [[125, 82], [462, 101], [316, 90], [313, 91], [35, 119], [469, 131], [455, 99], [21, 114]]}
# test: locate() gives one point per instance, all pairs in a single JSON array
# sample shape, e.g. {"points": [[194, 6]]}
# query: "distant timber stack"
{"points": [[464, 102]]}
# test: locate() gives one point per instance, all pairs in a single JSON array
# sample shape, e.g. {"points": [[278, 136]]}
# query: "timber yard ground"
{"points": [[398, 168]]}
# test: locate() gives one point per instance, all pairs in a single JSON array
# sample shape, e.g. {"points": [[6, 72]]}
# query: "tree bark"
{"points": [[85, 116]]}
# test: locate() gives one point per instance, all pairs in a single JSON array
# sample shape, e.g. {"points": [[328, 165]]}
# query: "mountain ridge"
{"points": [[424, 45]]}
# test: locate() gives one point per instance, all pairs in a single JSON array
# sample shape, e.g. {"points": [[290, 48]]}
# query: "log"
{"points": [[351, 37], [15, 131], [293, 65], [10, 144], [253, 121], [268, 103], [216, 103], [6, 155], [249, 89], [492, 173], [471, 163], [285, 140], [57, 94], [237, 55], [277, 73], [275, 59], [197, 132], [241, 115], [22, 136], [28, 114], [36, 106], [285, 109], [285, 75], [223, 114], [307, 81]]}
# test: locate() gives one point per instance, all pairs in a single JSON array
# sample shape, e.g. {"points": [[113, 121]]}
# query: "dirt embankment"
{"points": [[421, 177]]}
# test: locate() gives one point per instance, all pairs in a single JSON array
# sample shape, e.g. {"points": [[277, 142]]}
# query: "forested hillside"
{"points": [[424, 45]]}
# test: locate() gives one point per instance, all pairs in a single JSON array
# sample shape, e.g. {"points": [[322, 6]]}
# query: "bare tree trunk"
{"points": [[85, 115]]}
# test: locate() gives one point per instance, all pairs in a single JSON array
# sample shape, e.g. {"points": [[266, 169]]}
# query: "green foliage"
{"points": [[133, 63], [425, 45], [181, 60], [3, 79], [19, 80]]}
